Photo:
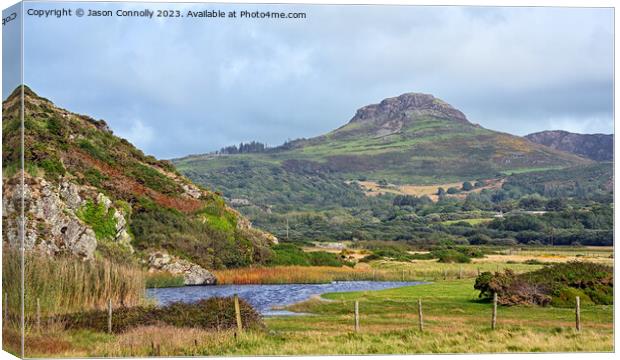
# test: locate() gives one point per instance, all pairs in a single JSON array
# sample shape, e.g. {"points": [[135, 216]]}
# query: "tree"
{"points": [[467, 186]]}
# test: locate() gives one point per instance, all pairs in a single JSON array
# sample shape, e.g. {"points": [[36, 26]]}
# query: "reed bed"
{"points": [[64, 285], [319, 275], [378, 271]]}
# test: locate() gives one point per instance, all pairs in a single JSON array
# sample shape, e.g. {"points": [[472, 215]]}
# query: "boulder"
{"points": [[193, 274]]}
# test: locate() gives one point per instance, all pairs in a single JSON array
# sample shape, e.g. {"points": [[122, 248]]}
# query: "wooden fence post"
{"points": [[445, 274], [238, 313], [494, 318], [478, 271], [6, 307], [403, 275], [38, 315], [420, 318], [357, 316], [110, 315], [577, 314], [461, 272]]}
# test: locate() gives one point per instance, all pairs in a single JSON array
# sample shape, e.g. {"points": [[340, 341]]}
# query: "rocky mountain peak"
{"points": [[406, 104]]}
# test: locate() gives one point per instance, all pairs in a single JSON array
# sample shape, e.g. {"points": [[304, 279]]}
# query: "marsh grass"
{"points": [[65, 285], [161, 279]]}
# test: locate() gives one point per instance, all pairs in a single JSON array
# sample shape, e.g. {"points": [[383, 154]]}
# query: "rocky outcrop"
{"points": [[52, 224], [397, 107], [192, 274], [598, 147]]}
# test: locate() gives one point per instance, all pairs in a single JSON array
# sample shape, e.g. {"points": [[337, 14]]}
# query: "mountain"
{"points": [[89, 193], [598, 147], [330, 185], [413, 138]]}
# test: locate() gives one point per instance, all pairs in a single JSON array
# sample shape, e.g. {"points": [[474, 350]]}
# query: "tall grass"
{"points": [[309, 275], [64, 284]]}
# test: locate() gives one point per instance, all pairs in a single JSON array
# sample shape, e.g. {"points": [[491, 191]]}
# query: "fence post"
{"points": [[478, 271], [357, 316], [110, 315], [38, 315], [577, 314], [238, 313], [403, 274], [494, 318], [420, 318], [6, 307], [461, 272], [445, 274]]}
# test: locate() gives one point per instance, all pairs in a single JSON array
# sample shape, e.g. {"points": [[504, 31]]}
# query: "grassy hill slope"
{"points": [[106, 175]]}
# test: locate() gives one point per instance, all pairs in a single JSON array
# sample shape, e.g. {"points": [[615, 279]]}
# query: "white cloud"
{"points": [[138, 133]]}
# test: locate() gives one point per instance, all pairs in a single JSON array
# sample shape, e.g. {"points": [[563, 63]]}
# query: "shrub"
{"points": [[101, 221], [450, 256], [215, 313], [556, 284], [53, 167]]}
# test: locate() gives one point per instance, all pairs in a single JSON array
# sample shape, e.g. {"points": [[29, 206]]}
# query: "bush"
{"points": [[451, 256], [291, 254], [556, 284], [215, 313], [96, 216]]}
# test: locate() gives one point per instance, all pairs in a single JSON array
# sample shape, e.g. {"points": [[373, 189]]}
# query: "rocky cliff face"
{"points": [[408, 106], [598, 147], [89, 193]]}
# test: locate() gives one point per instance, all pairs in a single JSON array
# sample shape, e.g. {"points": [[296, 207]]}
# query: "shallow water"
{"points": [[267, 297]]}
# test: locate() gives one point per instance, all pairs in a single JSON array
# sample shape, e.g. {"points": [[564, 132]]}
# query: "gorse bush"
{"points": [[215, 313], [556, 284]]}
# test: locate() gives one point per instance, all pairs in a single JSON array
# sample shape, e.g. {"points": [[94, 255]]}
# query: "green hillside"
{"points": [[79, 173], [321, 187], [410, 139]]}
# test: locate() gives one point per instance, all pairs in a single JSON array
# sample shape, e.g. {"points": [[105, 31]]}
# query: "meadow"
{"points": [[456, 320]]}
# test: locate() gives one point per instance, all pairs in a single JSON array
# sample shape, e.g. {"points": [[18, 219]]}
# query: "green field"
{"points": [[455, 321]]}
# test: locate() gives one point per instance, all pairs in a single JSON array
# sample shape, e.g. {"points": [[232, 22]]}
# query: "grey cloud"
{"points": [[192, 86]]}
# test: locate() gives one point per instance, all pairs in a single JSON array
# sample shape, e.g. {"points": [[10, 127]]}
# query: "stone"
{"points": [[193, 274]]}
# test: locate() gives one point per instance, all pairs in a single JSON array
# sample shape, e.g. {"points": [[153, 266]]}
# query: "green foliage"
{"points": [[556, 284], [208, 240], [94, 150], [450, 256], [94, 177], [99, 219], [154, 179], [162, 279], [288, 254], [53, 167]]}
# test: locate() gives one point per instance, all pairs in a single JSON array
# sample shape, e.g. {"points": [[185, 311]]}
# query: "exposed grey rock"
{"points": [[192, 190], [393, 109], [192, 274], [51, 225]]}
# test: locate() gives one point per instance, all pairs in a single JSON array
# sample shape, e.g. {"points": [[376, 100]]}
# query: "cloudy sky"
{"points": [[181, 86]]}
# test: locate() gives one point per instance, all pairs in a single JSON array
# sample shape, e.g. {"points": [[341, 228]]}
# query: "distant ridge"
{"points": [[598, 147]]}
